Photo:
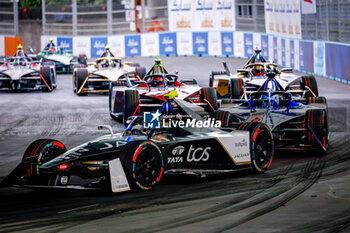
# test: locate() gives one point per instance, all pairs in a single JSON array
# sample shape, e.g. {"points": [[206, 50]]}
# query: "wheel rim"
{"points": [[263, 149], [148, 167]]}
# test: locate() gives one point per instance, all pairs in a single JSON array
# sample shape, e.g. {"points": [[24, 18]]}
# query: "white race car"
{"points": [[253, 76]]}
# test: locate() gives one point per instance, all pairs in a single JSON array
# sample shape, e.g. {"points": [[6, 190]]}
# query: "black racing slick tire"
{"points": [[208, 96], [46, 74], [211, 77], [316, 119], [317, 100], [131, 104], [143, 163], [38, 153], [82, 59], [309, 84], [261, 145], [141, 72], [222, 116], [81, 76], [236, 88]]}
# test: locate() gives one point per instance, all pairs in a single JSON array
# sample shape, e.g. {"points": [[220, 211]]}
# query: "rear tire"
{"points": [[261, 145], [131, 103], [317, 100], [46, 73], [309, 81], [208, 96], [317, 120], [236, 88], [82, 75], [211, 77], [143, 163], [222, 116], [141, 72]]}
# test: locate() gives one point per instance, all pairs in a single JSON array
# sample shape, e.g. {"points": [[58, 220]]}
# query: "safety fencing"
{"points": [[328, 59]]}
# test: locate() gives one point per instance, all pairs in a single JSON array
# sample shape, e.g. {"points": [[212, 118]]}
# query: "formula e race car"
{"points": [[97, 76], [137, 158], [252, 77], [21, 73], [296, 124], [155, 92]]}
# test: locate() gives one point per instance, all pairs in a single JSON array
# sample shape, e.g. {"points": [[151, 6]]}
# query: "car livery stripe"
{"points": [[256, 134], [59, 144], [136, 154], [160, 175]]}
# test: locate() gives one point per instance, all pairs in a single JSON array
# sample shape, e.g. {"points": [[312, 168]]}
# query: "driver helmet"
{"points": [[157, 82], [258, 70], [22, 62], [105, 63], [52, 50]]}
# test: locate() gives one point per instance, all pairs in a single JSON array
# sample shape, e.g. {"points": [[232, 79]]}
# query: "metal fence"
{"points": [[331, 21], [103, 17], [8, 17]]}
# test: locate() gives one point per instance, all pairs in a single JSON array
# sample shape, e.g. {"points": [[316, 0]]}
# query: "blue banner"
{"points": [[275, 53], [337, 62], [319, 56], [167, 44], [292, 60], [65, 43], [248, 44], [306, 56], [227, 43], [265, 46], [98, 45], [132, 45], [283, 45], [200, 43]]}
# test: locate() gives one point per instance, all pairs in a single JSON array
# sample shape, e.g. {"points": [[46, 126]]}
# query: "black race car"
{"points": [[139, 157]]}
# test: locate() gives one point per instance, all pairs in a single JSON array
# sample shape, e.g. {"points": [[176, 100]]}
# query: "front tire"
{"points": [[44, 150], [143, 163], [46, 74], [261, 145], [81, 76]]}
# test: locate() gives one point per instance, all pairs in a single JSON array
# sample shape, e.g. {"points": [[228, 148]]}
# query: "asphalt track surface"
{"points": [[301, 192]]}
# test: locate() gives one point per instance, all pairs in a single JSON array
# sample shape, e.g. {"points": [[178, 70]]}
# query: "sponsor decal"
{"points": [[151, 120], [175, 160], [178, 150], [65, 43], [98, 45], [132, 45], [242, 143], [198, 154], [227, 43], [208, 123], [240, 156], [200, 43]]}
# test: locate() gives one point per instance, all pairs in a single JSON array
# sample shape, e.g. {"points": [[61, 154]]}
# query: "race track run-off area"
{"points": [[301, 192]]}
